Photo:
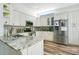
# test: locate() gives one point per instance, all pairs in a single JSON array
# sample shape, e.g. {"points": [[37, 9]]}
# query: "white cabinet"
{"points": [[35, 49], [23, 19], [17, 18], [45, 35], [43, 20], [63, 15], [74, 27], [14, 18], [55, 16], [37, 22]]}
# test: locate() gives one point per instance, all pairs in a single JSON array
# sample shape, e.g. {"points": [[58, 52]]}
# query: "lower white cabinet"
{"points": [[36, 49], [45, 35]]}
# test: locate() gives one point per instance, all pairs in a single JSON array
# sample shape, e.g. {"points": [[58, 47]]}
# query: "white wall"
{"points": [[1, 20]]}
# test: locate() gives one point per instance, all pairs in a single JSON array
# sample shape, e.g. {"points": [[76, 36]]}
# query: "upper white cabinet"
{"points": [[14, 18], [37, 22], [17, 18], [58, 16], [23, 19], [43, 21]]}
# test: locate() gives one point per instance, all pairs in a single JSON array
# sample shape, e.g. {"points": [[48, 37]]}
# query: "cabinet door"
{"points": [[44, 21], [14, 18], [23, 19], [56, 17], [37, 22], [24, 51], [74, 27], [61, 16], [36, 49], [18, 18]]}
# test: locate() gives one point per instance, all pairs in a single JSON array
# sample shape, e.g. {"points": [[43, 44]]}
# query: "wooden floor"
{"points": [[51, 48]]}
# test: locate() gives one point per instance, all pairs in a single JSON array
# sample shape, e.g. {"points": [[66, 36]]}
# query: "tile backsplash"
{"points": [[44, 28], [12, 30]]}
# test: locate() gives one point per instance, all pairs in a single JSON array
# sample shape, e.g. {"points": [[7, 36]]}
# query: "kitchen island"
{"points": [[26, 45]]}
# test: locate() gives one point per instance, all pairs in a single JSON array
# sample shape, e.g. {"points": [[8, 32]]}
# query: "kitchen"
{"points": [[18, 36], [25, 30]]}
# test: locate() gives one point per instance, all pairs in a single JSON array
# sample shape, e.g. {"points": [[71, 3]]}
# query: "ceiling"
{"points": [[38, 8]]}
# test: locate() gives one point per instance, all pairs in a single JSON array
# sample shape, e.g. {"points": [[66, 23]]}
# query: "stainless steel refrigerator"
{"points": [[60, 31]]}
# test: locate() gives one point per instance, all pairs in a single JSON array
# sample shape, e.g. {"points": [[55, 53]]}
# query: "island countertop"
{"points": [[21, 43]]}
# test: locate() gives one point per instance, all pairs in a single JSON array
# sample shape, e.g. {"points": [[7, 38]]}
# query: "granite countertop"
{"points": [[21, 43]]}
